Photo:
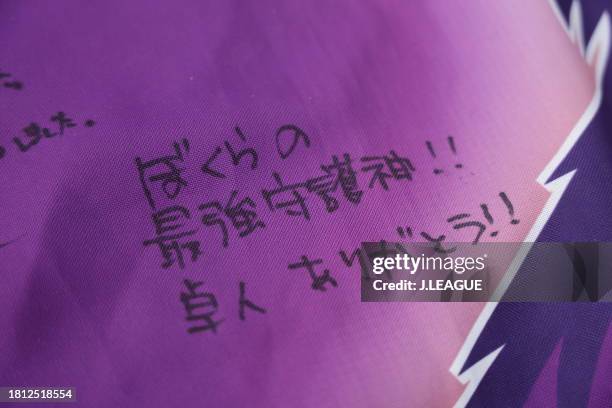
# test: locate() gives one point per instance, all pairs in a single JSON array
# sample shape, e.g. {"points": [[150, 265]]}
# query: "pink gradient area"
{"points": [[601, 392], [544, 392], [502, 78]]}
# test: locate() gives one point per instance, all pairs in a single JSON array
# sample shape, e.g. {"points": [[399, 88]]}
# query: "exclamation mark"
{"points": [[451, 143], [436, 171], [508, 203], [489, 217]]}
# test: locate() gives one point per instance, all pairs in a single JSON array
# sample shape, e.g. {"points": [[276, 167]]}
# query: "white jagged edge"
{"points": [[596, 56]]}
